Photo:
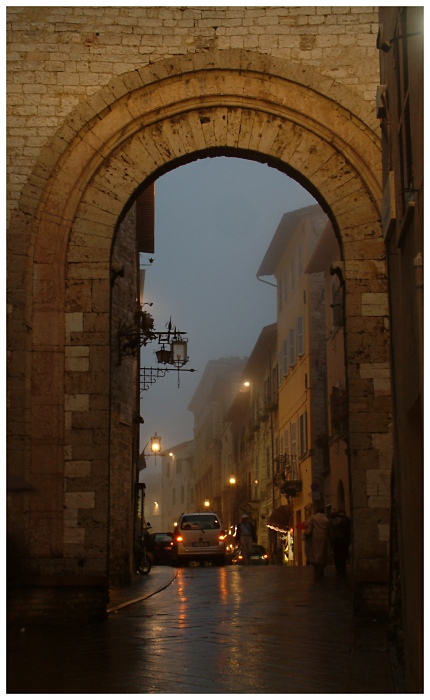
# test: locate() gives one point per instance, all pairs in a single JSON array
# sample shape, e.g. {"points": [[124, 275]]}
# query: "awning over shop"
{"points": [[279, 520]]}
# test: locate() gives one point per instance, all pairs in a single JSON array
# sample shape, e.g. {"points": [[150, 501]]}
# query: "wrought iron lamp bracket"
{"points": [[133, 336], [149, 375]]}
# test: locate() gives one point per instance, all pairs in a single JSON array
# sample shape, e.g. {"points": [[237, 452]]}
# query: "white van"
{"points": [[199, 537]]}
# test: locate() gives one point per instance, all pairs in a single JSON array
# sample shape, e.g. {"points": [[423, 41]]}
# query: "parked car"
{"points": [[199, 537], [259, 556], [163, 544]]}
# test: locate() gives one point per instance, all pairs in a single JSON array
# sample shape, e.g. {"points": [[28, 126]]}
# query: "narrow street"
{"points": [[212, 630]]}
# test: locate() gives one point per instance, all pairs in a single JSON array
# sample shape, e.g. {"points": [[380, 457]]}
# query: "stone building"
{"points": [[177, 483], [209, 404], [400, 108], [301, 352], [102, 101], [326, 260], [248, 438]]}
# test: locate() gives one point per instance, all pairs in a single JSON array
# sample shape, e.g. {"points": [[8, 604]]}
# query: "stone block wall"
{"points": [[318, 375], [124, 406], [58, 57]]}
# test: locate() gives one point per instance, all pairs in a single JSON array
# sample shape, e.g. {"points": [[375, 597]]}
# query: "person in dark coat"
{"points": [[340, 540], [246, 536]]}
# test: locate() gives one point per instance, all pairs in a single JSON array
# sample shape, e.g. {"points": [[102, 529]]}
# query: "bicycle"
{"points": [[145, 557]]}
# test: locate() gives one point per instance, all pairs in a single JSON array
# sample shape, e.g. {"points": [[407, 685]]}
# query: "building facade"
{"points": [[301, 351], [102, 101], [177, 484], [249, 434], [209, 404], [400, 108], [326, 260]]}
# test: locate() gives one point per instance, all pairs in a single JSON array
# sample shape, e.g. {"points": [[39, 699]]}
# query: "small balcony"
{"points": [[288, 476], [291, 488], [287, 467]]}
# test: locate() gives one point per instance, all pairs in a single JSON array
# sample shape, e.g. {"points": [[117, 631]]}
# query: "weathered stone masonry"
{"points": [[58, 57], [102, 100]]}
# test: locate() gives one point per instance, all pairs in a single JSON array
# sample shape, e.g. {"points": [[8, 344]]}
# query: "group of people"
{"points": [[322, 532]]}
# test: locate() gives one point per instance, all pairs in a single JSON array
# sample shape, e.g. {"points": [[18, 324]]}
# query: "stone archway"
{"points": [[143, 124]]}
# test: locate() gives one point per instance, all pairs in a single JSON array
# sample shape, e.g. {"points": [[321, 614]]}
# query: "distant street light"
{"points": [[207, 504], [233, 502]]}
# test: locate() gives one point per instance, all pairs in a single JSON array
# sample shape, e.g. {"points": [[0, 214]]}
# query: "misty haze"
{"points": [[214, 220]]}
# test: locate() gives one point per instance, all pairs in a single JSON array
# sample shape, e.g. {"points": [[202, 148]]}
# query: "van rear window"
{"points": [[200, 522]]}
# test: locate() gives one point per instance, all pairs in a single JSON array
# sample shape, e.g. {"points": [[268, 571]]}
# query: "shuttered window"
{"points": [[285, 356], [303, 434], [293, 441], [286, 442], [300, 336], [292, 347]]}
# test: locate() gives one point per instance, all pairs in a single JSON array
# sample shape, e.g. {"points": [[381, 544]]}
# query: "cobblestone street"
{"points": [[211, 630]]}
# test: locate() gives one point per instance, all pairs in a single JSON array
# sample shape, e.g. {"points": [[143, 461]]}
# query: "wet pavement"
{"points": [[211, 630]]}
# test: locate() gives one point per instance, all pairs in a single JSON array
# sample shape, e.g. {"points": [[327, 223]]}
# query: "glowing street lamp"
{"points": [[207, 503], [155, 444]]}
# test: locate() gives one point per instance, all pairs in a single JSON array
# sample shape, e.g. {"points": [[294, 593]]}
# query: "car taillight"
{"points": [[221, 535], [240, 556], [265, 556], [179, 538]]}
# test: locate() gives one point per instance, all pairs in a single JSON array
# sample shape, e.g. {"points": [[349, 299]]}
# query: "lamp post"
{"points": [[140, 488], [234, 517]]}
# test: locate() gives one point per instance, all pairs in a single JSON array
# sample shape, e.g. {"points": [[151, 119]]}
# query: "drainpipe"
{"points": [[419, 295], [272, 447]]}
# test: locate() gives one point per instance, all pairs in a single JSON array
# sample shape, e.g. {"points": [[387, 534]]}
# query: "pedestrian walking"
{"points": [[246, 536], [340, 540], [318, 527], [307, 539]]}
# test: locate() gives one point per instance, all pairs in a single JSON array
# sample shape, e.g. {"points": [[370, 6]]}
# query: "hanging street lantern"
{"points": [[179, 352], [155, 444], [164, 356]]}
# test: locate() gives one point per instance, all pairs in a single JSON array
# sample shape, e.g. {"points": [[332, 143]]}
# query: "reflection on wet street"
{"points": [[213, 630]]}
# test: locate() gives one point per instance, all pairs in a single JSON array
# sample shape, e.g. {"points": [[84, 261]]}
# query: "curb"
{"points": [[120, 606]]}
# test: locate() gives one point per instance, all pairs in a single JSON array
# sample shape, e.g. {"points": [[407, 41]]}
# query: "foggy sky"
{"points": [[214, 220]]}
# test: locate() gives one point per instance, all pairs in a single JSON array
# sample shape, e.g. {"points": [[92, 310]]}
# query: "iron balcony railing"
{"points": [[287, 468]]}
